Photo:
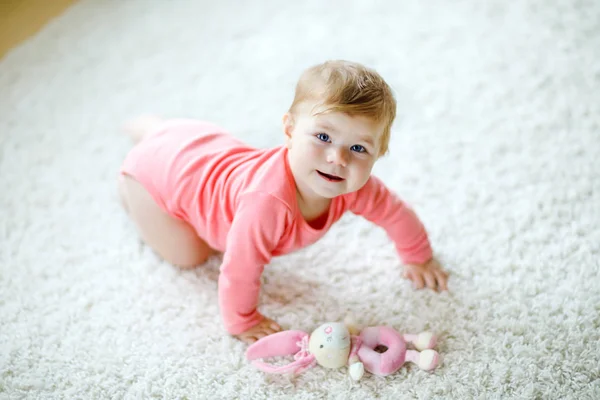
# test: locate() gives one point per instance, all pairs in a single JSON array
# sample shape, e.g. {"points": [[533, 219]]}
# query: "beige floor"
{"points": [[20, 19]]}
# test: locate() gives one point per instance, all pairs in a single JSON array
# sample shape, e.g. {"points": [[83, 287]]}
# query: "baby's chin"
{"points": [[336, 189], [333, 194]]}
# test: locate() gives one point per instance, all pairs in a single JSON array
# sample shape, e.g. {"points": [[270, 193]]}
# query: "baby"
{"points": [[192, 189]]}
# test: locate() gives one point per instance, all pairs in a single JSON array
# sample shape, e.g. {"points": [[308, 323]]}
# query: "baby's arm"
{"points": [[257, 226], [379, 205]]}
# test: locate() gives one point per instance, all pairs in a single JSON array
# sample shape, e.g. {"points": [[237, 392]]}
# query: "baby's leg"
{"points": [[172, 239]]}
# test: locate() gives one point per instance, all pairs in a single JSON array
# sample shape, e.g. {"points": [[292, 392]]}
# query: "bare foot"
{"points": [[265, 328], [138, 128]]}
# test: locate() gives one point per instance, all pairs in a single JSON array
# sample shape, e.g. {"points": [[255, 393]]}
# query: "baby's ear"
{"points": [[288, 125]]}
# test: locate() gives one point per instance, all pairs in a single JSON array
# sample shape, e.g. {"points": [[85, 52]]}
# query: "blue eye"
{"points": [[323, 137], [358, 148]]}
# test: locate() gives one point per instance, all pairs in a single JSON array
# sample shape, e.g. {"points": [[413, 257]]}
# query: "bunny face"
{"points": [[330, 344]]}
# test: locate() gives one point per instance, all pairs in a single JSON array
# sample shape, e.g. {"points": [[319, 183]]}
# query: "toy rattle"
{"points": [[333, 345]]}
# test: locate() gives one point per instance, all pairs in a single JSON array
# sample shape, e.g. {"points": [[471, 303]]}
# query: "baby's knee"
{"points": [[190, 260]]}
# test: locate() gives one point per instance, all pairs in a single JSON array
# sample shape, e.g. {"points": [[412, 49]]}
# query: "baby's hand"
{"points": [[264, 328], [429, 274]]}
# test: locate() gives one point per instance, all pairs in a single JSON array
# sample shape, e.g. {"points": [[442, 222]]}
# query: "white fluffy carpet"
{"points": [[497, 148]]}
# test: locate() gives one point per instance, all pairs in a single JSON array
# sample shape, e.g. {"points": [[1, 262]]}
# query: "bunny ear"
{"points": [[297, 366], [278, 344], [282, 344]]}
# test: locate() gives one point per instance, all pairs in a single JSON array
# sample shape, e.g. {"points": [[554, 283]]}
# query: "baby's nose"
{"points": [[338, 156]]}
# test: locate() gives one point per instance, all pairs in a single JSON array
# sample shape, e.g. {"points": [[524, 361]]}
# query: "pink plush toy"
{"points": [[332, 346]]}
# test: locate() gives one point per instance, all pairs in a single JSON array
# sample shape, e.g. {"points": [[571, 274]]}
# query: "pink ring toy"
{"points": [[385, 363]]}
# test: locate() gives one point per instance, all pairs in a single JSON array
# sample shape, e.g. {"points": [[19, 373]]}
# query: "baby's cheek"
{"points": [[363, 171], [314, 151]]}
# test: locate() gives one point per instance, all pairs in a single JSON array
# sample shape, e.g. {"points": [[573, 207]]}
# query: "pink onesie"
{"points": [[242, 201]]}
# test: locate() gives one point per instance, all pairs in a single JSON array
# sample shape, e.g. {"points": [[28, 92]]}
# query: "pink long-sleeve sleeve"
{"points": [[378, 204], [257, 227]]}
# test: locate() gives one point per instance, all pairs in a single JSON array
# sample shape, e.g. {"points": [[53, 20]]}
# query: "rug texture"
{"points": [[497, 148]]}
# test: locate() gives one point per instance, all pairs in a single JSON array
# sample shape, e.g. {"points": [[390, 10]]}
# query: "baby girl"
{"points": [[192, 189]]}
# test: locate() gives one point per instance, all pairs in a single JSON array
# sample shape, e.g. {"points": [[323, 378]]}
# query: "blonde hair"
{"points": [[351, 88]]}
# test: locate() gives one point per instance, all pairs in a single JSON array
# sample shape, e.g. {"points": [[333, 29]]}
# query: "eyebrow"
{"points": [[366, 139]]}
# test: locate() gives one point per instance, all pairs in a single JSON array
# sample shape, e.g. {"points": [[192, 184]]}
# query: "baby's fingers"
{"points": [[442, 279], [251, 338], [274, 326], [417, 279], [247, 339], [261, 335], [430, 280], [268, 331]]}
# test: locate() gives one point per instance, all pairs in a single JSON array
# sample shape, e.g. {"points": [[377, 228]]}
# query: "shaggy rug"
{"points": [[497, 148]]}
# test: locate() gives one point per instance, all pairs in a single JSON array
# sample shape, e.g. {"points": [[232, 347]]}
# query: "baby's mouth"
{"points": [[330, 178]]}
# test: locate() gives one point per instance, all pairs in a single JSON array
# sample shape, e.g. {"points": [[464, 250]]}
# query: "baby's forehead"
{"points": [[356, 125]]}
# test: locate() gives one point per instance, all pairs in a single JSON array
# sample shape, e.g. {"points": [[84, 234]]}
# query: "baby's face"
{"points": [[333, 153]]}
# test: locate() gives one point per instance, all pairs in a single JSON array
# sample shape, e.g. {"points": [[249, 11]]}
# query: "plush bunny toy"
{"points": [[331, 345]]}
